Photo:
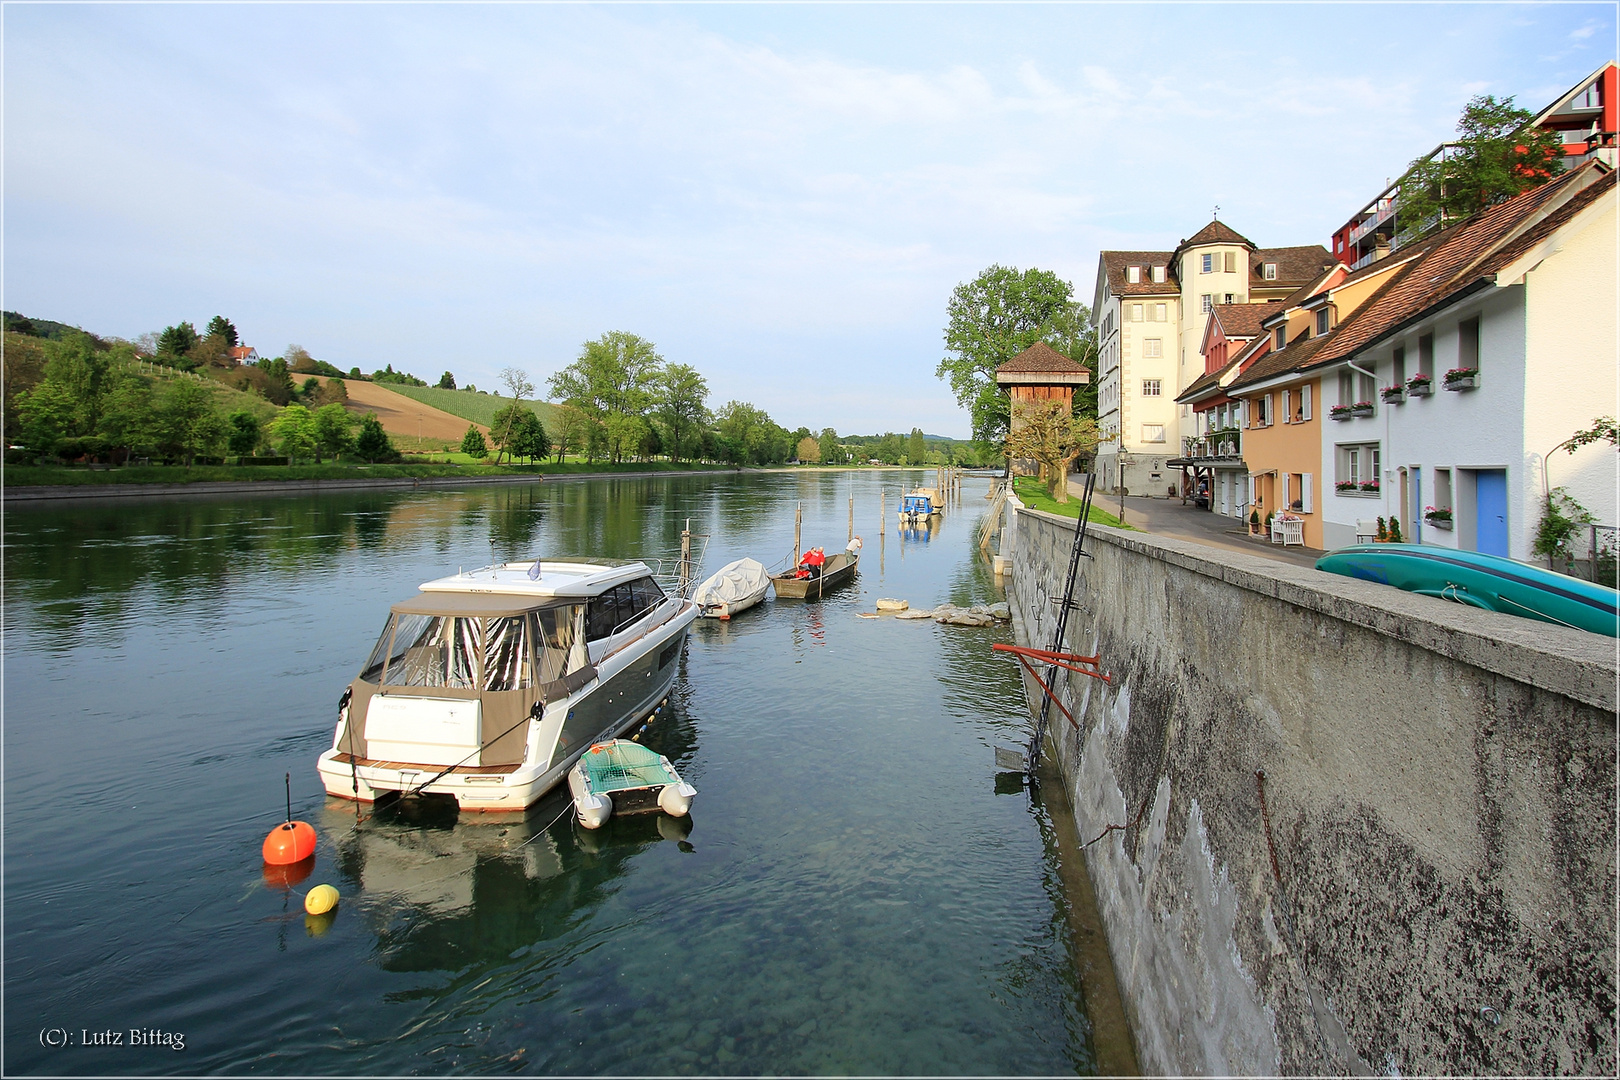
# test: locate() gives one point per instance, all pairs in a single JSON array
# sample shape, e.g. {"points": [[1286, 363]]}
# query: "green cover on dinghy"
{"points": [[1483, 581], [620, 764]]}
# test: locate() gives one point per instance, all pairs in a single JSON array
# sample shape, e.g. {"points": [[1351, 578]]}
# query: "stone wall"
{"points": [[1364, 831]]}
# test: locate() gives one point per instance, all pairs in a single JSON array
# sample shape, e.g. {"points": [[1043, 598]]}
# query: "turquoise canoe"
{"points": [[1484, 581]]}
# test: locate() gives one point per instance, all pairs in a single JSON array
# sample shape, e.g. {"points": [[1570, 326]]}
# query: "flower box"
{"points": [[1347, 487], [1393, 395], [1361, 408], [1370, 487], [1339, 412], [1462, 379], [1419, 386], [1439, 517]]}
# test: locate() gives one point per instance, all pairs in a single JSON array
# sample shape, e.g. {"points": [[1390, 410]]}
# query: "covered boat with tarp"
{"points": [[1483, 581], [737, 586], [920, 504], [623, 777], [488, 685]]}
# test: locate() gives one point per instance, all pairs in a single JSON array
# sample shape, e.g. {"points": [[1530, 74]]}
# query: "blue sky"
{"points": [[781, 196]]}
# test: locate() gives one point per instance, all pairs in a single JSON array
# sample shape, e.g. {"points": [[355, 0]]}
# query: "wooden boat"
{"points": [[1483, 581], [737, 587], [624, 777], [838, 570]]}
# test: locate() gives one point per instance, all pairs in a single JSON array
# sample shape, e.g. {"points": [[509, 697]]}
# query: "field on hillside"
{"points": [[479, 408]]}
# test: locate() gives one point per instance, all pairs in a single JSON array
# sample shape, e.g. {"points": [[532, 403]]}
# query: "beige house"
{"points": [[1151, 309]]}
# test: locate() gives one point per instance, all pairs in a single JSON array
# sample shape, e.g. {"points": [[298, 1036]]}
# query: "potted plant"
{"points": [[1439, 517], [1339, 412], [1462, 378], [1346, 487], [1394, 394], [1269, 518], [1395, 531], [1419, 385], [1382, 535], [1370, 487], [1254, 523], [1361, 408]]}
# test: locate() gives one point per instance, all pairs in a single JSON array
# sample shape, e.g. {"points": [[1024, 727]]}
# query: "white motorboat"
{"points": [[737, 587], [624, 777], [487, 686]]}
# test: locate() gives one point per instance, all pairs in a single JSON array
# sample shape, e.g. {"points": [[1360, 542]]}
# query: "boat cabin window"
{"points": [[465, 653], [556, 631], [430, 650], [620, 606]]}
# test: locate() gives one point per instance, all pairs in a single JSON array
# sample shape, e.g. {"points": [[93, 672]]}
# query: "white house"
{"points": [[1523, 296]]}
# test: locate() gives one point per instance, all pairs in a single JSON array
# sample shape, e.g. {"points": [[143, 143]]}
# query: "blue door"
{"points": [[1490, 512], [1415, 513]]}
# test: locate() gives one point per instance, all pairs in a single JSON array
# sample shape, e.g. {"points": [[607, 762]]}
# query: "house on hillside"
{"points": [[243, 354]]}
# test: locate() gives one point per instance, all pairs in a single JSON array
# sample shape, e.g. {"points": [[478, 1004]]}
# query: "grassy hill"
{"points": [[479, 408]]}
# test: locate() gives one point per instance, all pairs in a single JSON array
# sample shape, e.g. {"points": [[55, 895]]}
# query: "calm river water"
{"points": [[852, 893]]}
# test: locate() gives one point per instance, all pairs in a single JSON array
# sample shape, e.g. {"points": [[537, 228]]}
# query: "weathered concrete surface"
{"points": [[1440, 784]]}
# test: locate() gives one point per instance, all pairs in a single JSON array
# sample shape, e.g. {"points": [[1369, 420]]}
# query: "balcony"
{"points": [[1223, 445]]}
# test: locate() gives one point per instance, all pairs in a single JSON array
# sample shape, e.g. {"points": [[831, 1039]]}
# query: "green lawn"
{"points": [[479, 408], [1033, 495]]}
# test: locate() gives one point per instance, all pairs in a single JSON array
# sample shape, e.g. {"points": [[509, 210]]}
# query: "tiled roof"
{"points": [[1216, 232], [1460, 257], [1243, 320], [1298, 353], [1295, 265], [1041, 357], [1116, 262]]}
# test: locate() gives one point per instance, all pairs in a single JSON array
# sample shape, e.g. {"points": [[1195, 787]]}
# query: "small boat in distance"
{"points": [[624, 777], [816, 574], [487, 686], [1483, 581], [920, 504], [737, 587]]}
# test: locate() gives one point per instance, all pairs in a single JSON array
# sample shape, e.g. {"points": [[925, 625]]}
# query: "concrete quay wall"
{"points": [[1363, 831]]}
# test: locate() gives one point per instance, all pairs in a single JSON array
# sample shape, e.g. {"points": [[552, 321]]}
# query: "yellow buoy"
{"points": [[320, 899]]}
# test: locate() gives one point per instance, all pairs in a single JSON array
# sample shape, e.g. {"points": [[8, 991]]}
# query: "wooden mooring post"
{"points": [[798, 524], [686, 557], [851, 515]]}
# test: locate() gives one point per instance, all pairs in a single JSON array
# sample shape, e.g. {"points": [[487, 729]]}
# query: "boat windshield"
{"points": [[467, 653]]}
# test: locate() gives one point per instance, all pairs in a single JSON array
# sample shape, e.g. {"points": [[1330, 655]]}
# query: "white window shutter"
{"points": [[1305, 401], [1305, 492], [1287, 406], [1287, 498]]}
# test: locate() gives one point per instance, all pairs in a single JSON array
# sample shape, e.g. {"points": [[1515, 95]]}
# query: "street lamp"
{"points": [[1124, 460]]}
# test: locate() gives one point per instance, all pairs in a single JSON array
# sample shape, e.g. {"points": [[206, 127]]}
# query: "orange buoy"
{"points": [[292, 842]]}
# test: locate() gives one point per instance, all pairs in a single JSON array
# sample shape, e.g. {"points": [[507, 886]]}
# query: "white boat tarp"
{"points": [[735, 582]]}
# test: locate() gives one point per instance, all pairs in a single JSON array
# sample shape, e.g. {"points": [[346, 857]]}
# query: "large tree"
{"points": [[682, 394], [221, 327], [616, 373], [1498, 153], [993, 318], [1050, 434]]}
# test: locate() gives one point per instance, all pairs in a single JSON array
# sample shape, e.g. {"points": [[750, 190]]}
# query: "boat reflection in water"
{"points": [[920, 530]]}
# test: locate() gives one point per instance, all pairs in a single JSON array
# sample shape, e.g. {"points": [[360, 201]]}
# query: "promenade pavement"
{"points": [[1168, 517]]}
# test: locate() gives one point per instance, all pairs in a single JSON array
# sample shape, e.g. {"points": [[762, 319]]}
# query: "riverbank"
{"points": [[1341, 829]]}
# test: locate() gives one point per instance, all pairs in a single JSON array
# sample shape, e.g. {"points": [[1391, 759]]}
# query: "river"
{"points": [[855, 891]]}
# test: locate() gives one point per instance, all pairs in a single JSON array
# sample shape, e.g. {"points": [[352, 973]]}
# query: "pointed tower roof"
{"points": [[1216, 232]]}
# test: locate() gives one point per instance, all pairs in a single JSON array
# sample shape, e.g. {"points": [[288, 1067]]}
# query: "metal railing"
{"points": [[1226, 443], [1593, 555]]}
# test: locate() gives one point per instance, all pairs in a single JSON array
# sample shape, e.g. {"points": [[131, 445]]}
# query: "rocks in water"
{"points": [[915, 613], [890, 604], [1001, 612], [951, 615]]}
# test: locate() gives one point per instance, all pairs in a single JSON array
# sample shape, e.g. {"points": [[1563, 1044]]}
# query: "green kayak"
{"points": [[1484, 581]]}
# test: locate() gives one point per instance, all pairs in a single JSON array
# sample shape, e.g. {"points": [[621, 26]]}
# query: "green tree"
{"points": [[127, 413], [294, 431], [990, 320], [186, 423], [626, 435], [808, 450], [333, 430], [221, 327], [372, 442], [682, 395], [245, 433], [1073, 335], [830, 452], [890, 449], [570, 429], [1048, 432], [472, 443], [916, 447], [529, 440], [46, 416], [175, 343], [1499, 153], [446, 381], [505, 426]]}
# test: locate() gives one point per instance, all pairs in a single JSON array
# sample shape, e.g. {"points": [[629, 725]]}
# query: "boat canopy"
{"points": [[492, 650]]}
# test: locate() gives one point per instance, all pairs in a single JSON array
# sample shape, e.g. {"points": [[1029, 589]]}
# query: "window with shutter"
{"points": [[1231, 262], [1158, 273], [1208, 301], [1133, 274], [1287, 406], [1158, 313], [1305, 493], [1136, 313], [1209, 264], [1305, 403]]}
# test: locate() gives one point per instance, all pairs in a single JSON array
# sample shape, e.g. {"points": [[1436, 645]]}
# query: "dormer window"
{"points": [[1269, 271], [1321, 322], [1279, 337], [1133, 274], [1158, 273]]}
